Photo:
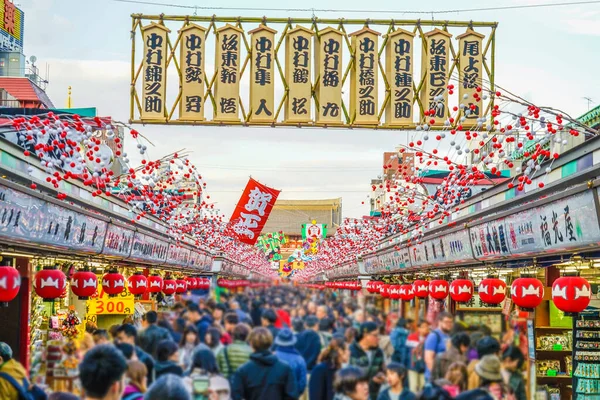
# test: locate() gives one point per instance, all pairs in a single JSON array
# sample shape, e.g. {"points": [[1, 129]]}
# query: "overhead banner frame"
{"points": [[340, 60]]}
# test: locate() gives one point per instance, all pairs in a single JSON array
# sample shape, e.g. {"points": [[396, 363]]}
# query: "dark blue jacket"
{"points": [[309, 346], [405, 395], [401, 354], [320, 385], [205, 322], [148, 362], [151, 336], [291, 357], [264, 377], [167, 367]]}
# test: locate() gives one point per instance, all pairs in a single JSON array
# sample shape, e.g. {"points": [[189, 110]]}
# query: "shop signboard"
{"points": [[371, 264], [451, 248], [118, 241], [148, 248], [394, 260], [12, 20], [417, 255], [178, 255], [489, 240], [27, 219], [199, 261], [457, 247], [343, 271]]}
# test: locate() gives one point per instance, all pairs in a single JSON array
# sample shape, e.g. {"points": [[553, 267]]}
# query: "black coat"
{"points": [[148, 362], [320, 385], [264, 377], [309, 345], [167, 367], [151, 336]]}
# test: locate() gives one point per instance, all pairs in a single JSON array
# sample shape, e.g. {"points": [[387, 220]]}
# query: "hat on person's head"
{"points": [[285, 338], [311, 321], [5, 351], [366, 327], [489, 368]]}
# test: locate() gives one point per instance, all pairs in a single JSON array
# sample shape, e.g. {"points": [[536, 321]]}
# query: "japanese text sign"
{"points": [[364, 78], [252, 211], [399, 61], [470, 73], [192, 63], [435, 68], [262, 82], [227, 75], [155, 72]]}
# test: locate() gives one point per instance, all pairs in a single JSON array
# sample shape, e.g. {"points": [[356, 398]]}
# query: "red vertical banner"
{"points": [[252, 211]]}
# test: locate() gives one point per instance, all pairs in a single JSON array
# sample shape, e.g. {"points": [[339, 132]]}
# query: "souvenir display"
{"points": [[586, 359]]}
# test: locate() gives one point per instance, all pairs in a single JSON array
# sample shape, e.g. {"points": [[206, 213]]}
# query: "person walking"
{"points": [[167, 361], [309, 342], [399, 340], [213, 339], [127, 333], [365, 354], [204, 368], [102, 373], [231, 357], [264, 376], [13, 377], [488, 345], [416, 345], [456, 352], [491, 383], [268, 320], [436, 341], [189, 341], [152, 333], [137, 381], [512, 366], [286, 352], [395, 376], [331, 360], [350, 383], [169, 386]]}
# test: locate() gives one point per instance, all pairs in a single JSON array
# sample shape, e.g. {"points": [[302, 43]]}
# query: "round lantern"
{"points": [[492, 291], [394, 292], [205, 283], [113, 283], [421, 288], [527, 293], [224, 283], [10, 282], [155, 284], [384, 290], [571, 294], [438, 289], [370, 286], [84, 284], [461, 290], [407, 292], [50, 283], [180, 286], [138, 284], [169, 286], [192, 283]]}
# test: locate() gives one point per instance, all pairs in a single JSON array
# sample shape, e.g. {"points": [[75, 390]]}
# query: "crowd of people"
{"points": [[286, 343]]}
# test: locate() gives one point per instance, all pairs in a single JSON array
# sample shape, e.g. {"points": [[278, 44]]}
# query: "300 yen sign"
{"points": [[114, 306]]}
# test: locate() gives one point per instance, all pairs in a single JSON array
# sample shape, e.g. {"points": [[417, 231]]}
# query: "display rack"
{"points": [[586, 359]]}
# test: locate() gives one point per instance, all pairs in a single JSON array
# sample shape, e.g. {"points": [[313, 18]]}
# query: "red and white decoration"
{"points": [[492, 290], [394, 292], [203, 283], [169, 286], [192, 283], [10, 283], [180, 286], [461, 290], [50, 283], [571, 294], [527, 293], [113, 283], [421, 288], [84, 284], [155, 284], [439, 289], [138, 284], [407, 292]]}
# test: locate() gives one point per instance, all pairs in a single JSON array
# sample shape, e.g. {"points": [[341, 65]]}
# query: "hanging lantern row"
{"points": [[317, 286], [257, 285], [344, 285], [232, 284]]}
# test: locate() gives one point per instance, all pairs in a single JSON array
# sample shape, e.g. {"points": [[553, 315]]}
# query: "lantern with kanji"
{"points": [[527, 293], [84, 284], [10, 283], [113, 283], [50, 283], [461, 290], [155, 284], [138, 284], [407, 292], [169, 286], [571, 294], [421, 288], [438, 289], [492, 291]]}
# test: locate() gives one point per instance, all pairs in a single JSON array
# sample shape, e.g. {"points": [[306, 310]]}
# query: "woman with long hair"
{"points": [[213, 340], [189, 341], [204, 369], [137, 377], [331, 360]]}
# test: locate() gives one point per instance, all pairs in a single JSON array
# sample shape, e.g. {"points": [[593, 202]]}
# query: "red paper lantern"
{"points": [[384, 290], [113, 283], [205, 283], [421, 288], [169, 286], [571, 294], [394, 292], [84, 284], [50, 283], [181, 286], [492, 291], [138, 284], [192, 283], [407, 292], [224, 283], [438, 289], [527, 293], [461, 290], [10, 283], [155, 284]]}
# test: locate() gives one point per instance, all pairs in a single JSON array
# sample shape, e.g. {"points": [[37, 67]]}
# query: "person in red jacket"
{"points": [[283, 317]]}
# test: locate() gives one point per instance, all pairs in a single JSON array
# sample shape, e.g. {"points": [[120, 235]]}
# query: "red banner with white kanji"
{"points": [[252, 211]]}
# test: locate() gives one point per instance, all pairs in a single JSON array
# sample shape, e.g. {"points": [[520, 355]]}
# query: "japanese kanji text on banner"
{"points": [[252, 211]]}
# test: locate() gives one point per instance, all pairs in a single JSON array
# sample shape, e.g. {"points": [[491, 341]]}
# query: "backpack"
{"points": [[35, 393], [417, 358]]}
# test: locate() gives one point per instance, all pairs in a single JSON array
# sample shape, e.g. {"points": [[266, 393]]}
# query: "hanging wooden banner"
{"points": [[470, 61], [328, 66], [435, 66], [298, 50], [399, 60], [191, 64], [154, 82], [227, 74], [364, 78], [262, 87]]}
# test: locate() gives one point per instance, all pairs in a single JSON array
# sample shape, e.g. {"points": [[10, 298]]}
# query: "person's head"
{"points": [[127, 349], [445, 321], [431, 391], [6, 353], [137, 373], [213, 337], [268, 317], [167, 350], [513, 358], [488, 369], [461, 341], [312, 308], [350, 334], [487, 345], [423, 328], [102, 373], [190, 336], [297, 325], [179, 325], [127, 334], [230, 321], [170, 387], [402, 323], [100, 337], [285, 338], [457, 375], [321, 312], [90, 327], [395, 374], [205, 360], [359, 316], [113, 331], [368, 335], [193, 313], [218, 311], [260, 339], [326, 325], [241, 332], [336, 353], [351, 382], [150, 318], [234, 305], [312, 322]]}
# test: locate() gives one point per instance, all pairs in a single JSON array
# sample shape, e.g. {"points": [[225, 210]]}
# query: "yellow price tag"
{"points": [[112, 305]]}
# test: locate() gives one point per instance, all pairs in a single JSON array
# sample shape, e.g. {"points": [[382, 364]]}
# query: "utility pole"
{"points": [[589, 101]]}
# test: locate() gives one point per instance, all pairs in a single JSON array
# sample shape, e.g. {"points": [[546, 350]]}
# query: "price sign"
{"points": [[104, 305]]}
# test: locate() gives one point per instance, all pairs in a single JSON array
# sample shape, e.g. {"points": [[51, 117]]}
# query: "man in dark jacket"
{"points": [[268, 319], [309, 343], [264, 376], [365, 354], [127, 333], [152, 333], [201, 319]]}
